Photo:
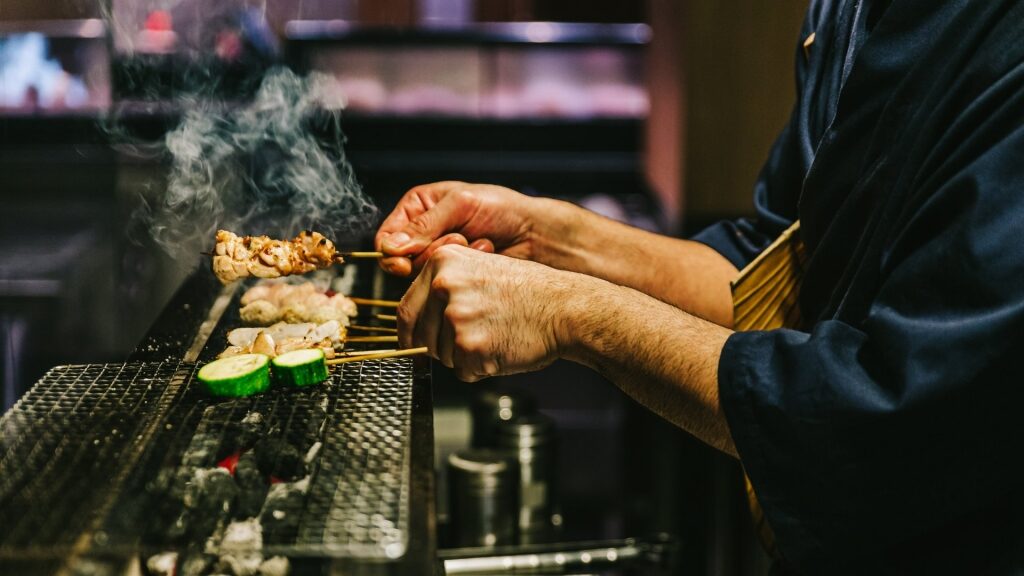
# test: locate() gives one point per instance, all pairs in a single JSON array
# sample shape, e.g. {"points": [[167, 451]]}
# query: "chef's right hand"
{"points": [[485, 217]]}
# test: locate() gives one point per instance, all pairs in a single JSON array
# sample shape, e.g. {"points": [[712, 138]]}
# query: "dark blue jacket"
{"points": [[887, 434]]}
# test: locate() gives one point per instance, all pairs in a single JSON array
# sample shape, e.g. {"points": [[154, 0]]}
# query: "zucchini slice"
{"points": [[300, 367], [235, 376]]}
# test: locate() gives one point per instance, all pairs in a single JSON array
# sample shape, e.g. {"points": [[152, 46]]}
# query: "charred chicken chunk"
{"points": [[236, 257]]}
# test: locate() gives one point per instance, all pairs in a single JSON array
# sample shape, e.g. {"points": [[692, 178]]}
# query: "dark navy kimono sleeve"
{"points": [[887, 437], [865, 441]]}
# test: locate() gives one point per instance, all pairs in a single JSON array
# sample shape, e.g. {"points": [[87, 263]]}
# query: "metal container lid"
{"points": [[488, 462], [506, 404], [493, 407], [527, 431], [482, 468]]}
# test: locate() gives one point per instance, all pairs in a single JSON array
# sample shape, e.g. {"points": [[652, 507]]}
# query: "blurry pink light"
{"points": [[541, 31]]}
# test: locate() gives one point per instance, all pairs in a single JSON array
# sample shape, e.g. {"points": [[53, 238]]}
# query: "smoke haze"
{"points": [[271, 164], [260, 169]]}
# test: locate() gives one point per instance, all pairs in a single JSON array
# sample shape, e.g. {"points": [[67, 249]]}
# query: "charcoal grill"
{"points": [[100, 463]]}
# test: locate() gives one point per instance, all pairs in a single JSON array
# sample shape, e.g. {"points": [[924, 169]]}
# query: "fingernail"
{"points": [[396, 241]]}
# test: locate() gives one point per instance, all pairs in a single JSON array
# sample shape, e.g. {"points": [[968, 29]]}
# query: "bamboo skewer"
{"points": [[373, 302], [350, 353], [357, 339], [361, 254], [373, 329], [386, 317], [380, 356]]}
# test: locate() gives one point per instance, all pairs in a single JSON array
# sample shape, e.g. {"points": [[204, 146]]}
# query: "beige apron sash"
{"points": [[765, 297]]}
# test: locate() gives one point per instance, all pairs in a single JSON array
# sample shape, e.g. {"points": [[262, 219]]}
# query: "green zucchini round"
{"points": [[236, 376], [300, 368]]}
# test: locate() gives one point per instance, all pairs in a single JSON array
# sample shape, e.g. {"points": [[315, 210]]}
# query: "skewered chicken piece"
{"points": [[281, 337], [236, 257], [268, 302]]}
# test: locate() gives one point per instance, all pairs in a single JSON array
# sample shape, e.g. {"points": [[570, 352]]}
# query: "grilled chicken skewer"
{"points": [[237, 257], [282, 337], [271, 301]]}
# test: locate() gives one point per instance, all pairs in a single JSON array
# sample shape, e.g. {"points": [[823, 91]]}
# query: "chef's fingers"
{"points": [[428, 323], [411, 306], [403, 266], [483, 245], [423, 257], [397, 265], [412, 204], [446, 341], [451, 213], [473, 361]]}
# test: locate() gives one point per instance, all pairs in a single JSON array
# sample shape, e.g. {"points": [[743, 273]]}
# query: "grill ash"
{"points": [[242, 486]]}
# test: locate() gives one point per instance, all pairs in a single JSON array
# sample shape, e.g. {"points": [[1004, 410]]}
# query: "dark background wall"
{"points": [[739, 89], [37, 10], [721, 82]]}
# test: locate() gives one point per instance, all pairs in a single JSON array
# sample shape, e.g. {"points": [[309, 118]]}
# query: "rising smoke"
{"points": [[274, 164], [260, 168]]}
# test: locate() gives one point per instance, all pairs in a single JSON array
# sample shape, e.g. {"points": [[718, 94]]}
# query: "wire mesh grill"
{"points": [[137, 459]]}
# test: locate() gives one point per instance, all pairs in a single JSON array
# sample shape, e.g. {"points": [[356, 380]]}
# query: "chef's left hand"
{"points": [[485, 314]]}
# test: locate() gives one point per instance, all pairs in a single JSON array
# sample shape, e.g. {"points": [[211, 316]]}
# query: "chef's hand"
{"points": [[484, 217], [485, 314]]}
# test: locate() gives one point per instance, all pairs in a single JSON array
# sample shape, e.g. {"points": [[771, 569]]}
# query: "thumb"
{"points": [[483, 245], [448, 215], [425, 255]]}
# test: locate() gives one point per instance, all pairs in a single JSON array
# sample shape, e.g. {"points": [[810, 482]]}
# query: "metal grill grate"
{"points": [[124, 459]]}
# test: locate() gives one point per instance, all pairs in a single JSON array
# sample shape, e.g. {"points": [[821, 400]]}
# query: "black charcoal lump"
{"points": [[252, 486], [209, 498], [282, 511], [278, 458]]}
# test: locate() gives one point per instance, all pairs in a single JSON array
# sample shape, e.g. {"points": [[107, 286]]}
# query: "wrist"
{"points": [[555, 232], [582, 318]]}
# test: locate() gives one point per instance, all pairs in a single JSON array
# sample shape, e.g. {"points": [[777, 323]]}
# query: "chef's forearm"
{"points": [[664, 358], [688, 275]]}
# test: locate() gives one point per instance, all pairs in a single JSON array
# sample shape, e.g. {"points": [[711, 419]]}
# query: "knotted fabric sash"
{"points": [[764, 297]]}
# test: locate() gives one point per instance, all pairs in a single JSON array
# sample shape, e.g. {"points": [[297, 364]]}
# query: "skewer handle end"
{"points": [[381, 356], [361, 254]]}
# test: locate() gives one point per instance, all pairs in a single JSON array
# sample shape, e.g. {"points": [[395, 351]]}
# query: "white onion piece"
{"points": [[243, 337], [281, 330], [329, 330]]}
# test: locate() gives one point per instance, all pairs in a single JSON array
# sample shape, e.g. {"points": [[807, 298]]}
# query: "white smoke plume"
{"points": [[260, 169], [274, 164]]}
